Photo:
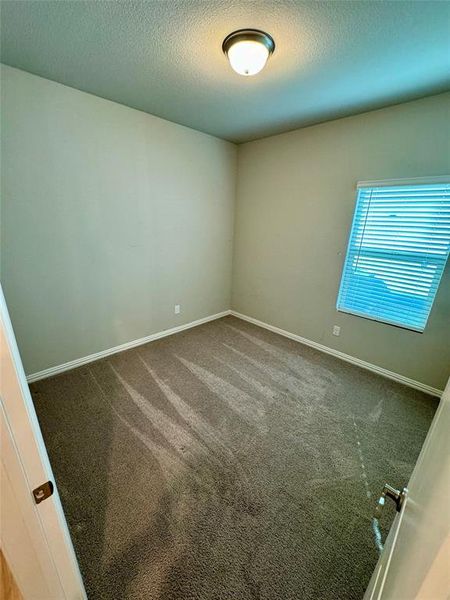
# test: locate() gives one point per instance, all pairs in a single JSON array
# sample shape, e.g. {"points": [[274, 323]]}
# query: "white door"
{"points": [[415, 562], [34, 537]]}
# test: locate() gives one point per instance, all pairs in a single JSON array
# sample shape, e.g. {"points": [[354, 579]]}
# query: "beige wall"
{"points": [[295, 202], [110, 217]]}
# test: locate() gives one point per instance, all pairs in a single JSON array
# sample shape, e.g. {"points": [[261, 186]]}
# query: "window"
{"points": [[398, 247]]}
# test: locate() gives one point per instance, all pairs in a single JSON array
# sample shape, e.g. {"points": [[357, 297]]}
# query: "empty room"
{"points": [[225, 300]]}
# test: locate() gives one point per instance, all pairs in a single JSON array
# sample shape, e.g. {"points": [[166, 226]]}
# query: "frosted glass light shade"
{"points": [[248, 57], [248, 50]]}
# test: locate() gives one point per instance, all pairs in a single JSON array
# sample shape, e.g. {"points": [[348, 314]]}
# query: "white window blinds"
{"points": [[398, 247]]}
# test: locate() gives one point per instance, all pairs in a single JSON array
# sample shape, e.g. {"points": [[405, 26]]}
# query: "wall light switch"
{"points": [[336, 330], [177, 309]]}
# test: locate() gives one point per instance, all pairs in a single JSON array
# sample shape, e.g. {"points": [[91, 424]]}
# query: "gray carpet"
{"points": [[227, 462]]}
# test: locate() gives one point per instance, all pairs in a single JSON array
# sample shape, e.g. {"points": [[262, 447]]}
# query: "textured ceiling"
{"points": [[164, 57]]}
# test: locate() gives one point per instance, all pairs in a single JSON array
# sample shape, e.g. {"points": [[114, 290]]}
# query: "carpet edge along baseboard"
{"points": [[83, 360], [78, 362], [418, 385]]}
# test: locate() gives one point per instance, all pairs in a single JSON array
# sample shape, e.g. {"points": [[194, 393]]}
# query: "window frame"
{"points": [[444, 179]]}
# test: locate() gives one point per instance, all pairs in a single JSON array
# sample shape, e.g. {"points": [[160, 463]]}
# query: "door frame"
{"points": [[25, 466]]}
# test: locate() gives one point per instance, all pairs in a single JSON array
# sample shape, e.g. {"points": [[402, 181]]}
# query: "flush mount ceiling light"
{"points": [[248, 50]]}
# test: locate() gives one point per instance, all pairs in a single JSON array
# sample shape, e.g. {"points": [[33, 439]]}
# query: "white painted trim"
{"points": [[350, 359], [413, 181], [78, 362], [103, 353]]}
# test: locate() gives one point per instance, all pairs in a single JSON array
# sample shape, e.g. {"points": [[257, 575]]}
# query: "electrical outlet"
{"points": [[177, 309], [336, 330]]}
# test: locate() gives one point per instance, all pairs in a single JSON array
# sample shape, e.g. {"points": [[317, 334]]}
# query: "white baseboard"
{"points": [[149, 338], [351, 359], [78, 362]]}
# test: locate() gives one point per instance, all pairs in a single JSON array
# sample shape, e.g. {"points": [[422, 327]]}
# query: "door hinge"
{"points": [[43, 491]]}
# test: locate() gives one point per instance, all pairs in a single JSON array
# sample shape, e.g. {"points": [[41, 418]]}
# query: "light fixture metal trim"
{"points": [[248, 35]]}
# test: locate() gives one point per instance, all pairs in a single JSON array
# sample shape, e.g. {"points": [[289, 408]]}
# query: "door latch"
{"points": [[43, 491], [398, 496]]}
